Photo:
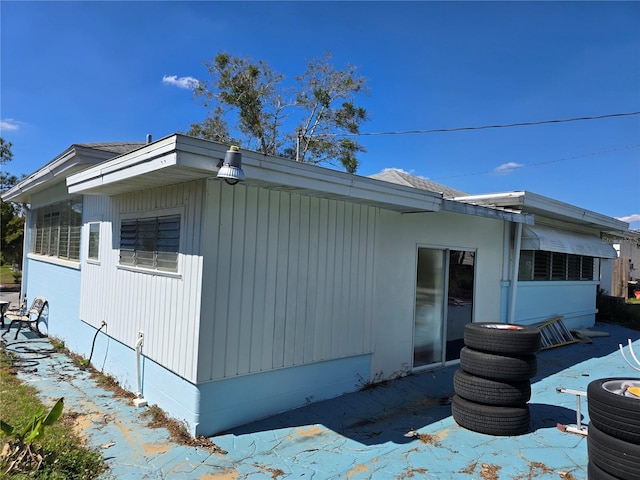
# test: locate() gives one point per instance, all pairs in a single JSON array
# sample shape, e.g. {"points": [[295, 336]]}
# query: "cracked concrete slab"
{"points": [[402, 429]]}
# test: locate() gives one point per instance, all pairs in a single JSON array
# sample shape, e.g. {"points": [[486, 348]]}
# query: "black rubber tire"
{"points": [[502, 338], [489, 419], [498, 367], [614, 414], [489, 391], [594, 472], [616, 457]]}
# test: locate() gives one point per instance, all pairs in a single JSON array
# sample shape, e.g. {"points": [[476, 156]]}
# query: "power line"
{"points": [[564, 159], [485, 127]]}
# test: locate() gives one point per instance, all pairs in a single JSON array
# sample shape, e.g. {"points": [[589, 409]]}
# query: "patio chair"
{"points": [[30, 318]]}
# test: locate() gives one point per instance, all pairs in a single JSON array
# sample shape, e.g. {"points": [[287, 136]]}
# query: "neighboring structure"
{"points": [[624, 279], [296, 285]]}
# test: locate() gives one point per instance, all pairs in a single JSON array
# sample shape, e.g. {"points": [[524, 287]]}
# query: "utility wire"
{"points": [[518, 166], [485, 127]]}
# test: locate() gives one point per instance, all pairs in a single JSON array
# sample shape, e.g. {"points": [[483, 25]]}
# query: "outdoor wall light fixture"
{"points": [[230, 169]]}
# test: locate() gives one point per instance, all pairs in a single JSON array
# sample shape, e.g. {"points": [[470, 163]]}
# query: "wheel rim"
{"points": [[626, 388], [503, 326]]}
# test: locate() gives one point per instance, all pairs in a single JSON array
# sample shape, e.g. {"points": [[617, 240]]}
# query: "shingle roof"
{"points": [[402, 178], [114, 147]]}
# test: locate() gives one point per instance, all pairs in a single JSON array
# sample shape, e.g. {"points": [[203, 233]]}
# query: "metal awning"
{"points": [[537, 237]]}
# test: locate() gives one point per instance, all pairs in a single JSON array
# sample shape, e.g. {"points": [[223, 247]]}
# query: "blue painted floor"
{"points": [[399, 430]]}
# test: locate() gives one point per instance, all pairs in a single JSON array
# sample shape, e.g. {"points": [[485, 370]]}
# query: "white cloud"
{"points": [[634, 217], [508, 167], [9, 124], [181, 82]]}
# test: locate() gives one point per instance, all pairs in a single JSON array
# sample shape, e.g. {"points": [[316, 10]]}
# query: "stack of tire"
{"points": [[613, 442], [493, 385]]}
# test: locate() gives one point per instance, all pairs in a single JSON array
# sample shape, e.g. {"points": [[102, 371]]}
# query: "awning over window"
{"points": [[537, 237]]}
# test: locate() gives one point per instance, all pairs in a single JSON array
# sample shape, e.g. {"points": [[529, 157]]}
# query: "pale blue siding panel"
{"points": [[165, 308], [575, 301], [61, 287], [231, 402], [293, 276]]}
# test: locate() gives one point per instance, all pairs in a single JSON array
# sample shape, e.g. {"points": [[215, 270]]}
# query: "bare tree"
{"points": [[315, 121]]}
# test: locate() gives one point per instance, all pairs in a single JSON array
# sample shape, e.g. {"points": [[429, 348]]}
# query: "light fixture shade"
{"points": [[231, 170]]}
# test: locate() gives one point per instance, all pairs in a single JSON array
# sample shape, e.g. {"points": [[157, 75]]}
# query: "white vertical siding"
{"points": [[287, 280], [165, 308]]}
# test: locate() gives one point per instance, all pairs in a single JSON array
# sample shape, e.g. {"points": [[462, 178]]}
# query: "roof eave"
{"points": [[180, 158], [74, 159], [542, 206]]}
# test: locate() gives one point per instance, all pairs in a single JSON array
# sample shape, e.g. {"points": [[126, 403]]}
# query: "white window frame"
{"points": [[96, 259], [171, 212], [48, 250]]}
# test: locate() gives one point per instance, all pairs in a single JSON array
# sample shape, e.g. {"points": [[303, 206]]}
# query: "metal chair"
{"points": [[30, 318]]}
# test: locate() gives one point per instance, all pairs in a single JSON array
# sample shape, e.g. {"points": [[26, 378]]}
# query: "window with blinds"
{"points": [[542, 265], [150, 243], [56, 228]]}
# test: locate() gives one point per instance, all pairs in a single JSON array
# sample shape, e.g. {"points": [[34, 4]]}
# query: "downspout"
{"points": [[25, 243], [139, 400], [514, 273]]}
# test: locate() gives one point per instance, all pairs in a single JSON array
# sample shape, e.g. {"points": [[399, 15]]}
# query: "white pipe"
{"points": [[632, 354], [139, 343], [25, 253], [514, 273]]}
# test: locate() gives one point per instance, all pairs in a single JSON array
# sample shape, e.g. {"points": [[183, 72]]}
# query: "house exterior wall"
{"points": [[400, 235], [288, 280], [165, 307], [63, 293], [541, 301], [287, 299]]}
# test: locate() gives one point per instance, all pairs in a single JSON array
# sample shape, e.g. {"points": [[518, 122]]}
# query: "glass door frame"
{"points": [[444, 326]]}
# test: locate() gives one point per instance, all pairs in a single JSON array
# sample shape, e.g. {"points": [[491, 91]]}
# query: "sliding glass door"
{"points": [[444, 304]]}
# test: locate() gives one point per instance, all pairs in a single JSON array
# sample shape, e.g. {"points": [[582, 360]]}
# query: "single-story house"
{"points": [[226, 303]]}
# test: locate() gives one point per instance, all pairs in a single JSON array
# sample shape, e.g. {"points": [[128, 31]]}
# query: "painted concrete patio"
{"points": [[402, 429]]}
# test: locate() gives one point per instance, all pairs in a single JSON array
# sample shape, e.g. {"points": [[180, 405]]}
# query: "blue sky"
{"points": [[76, 72]]}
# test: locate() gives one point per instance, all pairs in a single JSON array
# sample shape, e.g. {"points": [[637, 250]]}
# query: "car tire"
{"points": [[613, 412], [613, 455], [498, 367], [502, 338], [594, 472], [490, 419], [489, 391]]}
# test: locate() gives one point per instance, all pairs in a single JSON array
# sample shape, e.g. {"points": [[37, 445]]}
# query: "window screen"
{"points": [[150, 243]]}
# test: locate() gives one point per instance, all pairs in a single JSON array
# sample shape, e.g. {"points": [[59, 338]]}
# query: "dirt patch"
{"points": [[428, 439], [156, 448], [275, 472], [566, 475], [487, 471], [228, 474], [469, 469], [412, 472], [157, 418], [357, 469], [309, 432]]}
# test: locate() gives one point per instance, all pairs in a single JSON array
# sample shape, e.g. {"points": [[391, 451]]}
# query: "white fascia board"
{"points": [[278, 171], [541, 205], [74, 158], [117, 175], [487, 212], [95, 175], [260, 170]]}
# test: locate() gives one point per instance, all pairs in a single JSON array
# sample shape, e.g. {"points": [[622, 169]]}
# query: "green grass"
{"points": [[6, 274], [65, 455]]}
